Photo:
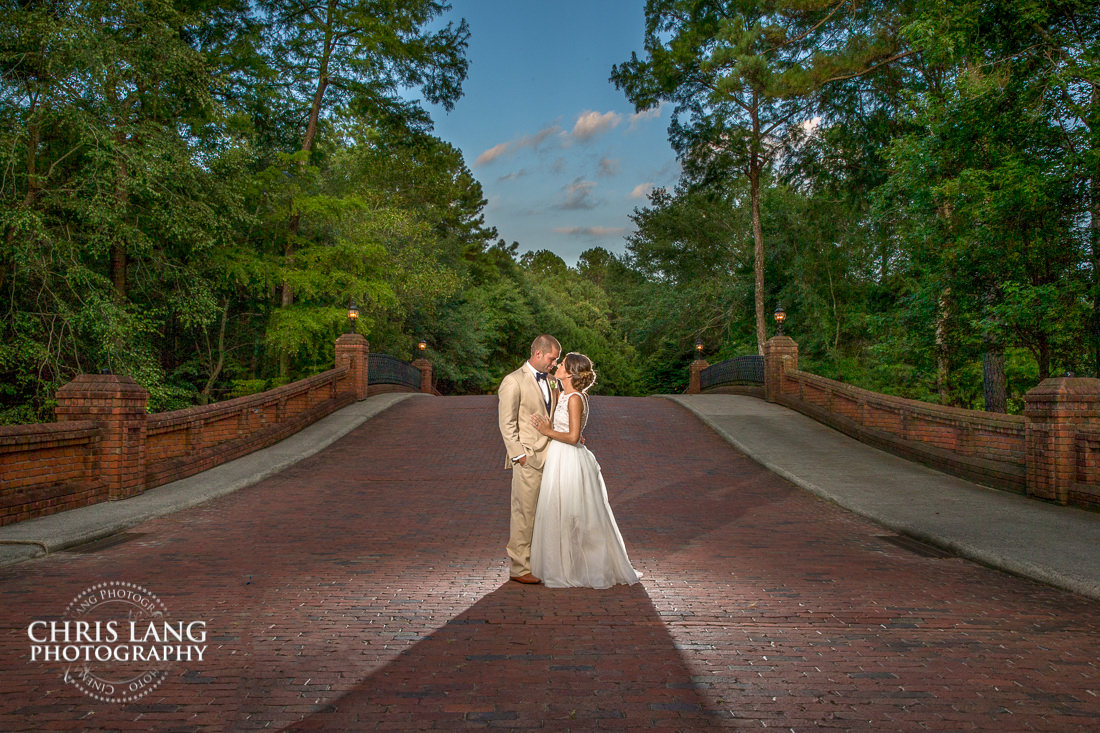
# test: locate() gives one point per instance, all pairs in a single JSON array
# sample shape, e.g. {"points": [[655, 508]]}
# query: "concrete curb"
{"points": [[55, 532], [961, 546]]}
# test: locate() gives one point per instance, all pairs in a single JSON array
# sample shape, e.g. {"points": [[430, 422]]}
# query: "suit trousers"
{"points": [[525, 498]]}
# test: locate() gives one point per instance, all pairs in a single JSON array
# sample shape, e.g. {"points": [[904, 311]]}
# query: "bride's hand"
{"points": [[540, 423]]}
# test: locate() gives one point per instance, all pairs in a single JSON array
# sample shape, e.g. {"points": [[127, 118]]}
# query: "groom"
{"points": [[523, 393]]}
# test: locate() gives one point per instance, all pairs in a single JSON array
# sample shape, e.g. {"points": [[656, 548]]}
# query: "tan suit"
{"points": [[518, 397]]}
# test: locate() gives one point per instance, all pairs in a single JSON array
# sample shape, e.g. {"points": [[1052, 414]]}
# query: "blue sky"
{"points": [[561, 155]]}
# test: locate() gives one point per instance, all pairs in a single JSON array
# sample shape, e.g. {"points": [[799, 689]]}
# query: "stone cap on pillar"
{"points": [[781, 341], [98, 388], [352, 339], [1079, 396]]}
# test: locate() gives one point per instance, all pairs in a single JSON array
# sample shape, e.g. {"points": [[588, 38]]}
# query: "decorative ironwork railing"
{"points": [[738, 370], [386, 369]]}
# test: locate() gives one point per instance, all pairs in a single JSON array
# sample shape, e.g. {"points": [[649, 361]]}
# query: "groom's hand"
{"points": [[522, 461]]}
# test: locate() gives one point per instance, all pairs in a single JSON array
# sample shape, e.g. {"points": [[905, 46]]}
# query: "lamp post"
{"points": [[698, 349], [780, 316], [421, 347], [353, 315]]}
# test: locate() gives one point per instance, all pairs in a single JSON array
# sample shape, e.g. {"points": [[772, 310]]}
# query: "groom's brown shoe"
{"points": [[528, 579]]}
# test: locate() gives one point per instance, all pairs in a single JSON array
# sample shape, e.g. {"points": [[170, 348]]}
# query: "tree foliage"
{"points": [[932, 225], [191, 194], [742, 76]]}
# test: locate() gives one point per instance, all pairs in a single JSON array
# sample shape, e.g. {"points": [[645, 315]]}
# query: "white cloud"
{"points": [[527, 141], [590, 231], [534, 141], [590, 124], [645, 115], [641, 190], [491, 154], [578, 195]]}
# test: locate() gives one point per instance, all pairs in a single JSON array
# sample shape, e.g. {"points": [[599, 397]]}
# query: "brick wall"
{"points": [[1050, 452], [48, 468], [1063, 416], [1086, 486], [185, 442], [104, 445], [985, 447]]}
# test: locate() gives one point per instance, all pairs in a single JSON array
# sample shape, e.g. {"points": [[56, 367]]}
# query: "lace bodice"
{"points": [[561, 412]]}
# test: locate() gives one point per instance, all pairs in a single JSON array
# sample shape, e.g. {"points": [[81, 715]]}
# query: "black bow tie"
{"points": [[540, 376]]}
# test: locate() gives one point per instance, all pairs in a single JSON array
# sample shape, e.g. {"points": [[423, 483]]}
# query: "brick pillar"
{"points": [[117, 404], [694, 378], [1053, 410], [780, 354], [353, 350], [425, 375]]}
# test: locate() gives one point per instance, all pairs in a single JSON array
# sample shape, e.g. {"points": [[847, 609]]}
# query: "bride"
{"points": [[576, 542]]}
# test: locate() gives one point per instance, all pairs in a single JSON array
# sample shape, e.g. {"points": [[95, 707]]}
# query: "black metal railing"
{"points": [[738, 370], [386, 369]]}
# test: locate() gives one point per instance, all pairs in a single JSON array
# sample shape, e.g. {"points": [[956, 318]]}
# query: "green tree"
{"points": [[743, 74], [359, 55], [690, 288], [108, 204], [986, 199]]}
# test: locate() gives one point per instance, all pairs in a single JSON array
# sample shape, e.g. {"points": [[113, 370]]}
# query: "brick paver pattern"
{"points": [[366, 587]]}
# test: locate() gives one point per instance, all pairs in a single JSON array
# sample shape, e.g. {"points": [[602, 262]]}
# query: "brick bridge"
{"points": [[105, 446], [365, 587]]}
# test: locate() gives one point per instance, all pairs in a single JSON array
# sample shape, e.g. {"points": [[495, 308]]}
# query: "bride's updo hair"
{"points": [[580, 369]]}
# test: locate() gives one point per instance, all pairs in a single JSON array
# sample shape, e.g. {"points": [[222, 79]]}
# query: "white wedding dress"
{"points": [[576, 542]]}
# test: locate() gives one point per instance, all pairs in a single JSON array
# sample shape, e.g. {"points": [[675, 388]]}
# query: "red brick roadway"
{"points": [[366, 588]]}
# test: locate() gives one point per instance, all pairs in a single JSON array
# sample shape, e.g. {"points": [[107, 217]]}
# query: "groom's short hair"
{"points": [[544, 343]]}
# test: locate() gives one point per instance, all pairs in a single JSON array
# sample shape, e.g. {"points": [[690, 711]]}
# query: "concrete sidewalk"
{"points": [[1052, 544], [45, 535]]}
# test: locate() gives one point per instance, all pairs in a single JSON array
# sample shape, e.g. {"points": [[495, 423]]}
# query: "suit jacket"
{"points": [[518, 397]]}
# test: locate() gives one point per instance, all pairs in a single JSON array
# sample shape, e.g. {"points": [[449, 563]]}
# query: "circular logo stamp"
{"points": [[117, 641], [111, 679]]}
